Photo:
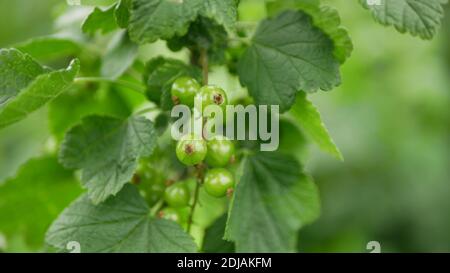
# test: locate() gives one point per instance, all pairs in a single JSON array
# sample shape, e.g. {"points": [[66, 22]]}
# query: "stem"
{"points": [[146, 110], [156, 207], [133, 86], [194, 203], [200, 168]]}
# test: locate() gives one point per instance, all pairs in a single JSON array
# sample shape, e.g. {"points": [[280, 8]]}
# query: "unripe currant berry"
{"points": [[212, 95], [184, 90], [218, 182], [170, 214], [220, 151], [177, 195], [191, 149]]}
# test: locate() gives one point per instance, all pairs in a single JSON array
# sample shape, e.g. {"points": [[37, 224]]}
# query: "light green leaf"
{"points": [[418, 17], [309, 119], [160, 19], [25, 86], [106, 149], [122, 13], [119, 56], [68, 109], [17, 71], [100, 20], [272, 201], [32, 199], [49, 47], [288, 54], [120, 224], [159, 75]]}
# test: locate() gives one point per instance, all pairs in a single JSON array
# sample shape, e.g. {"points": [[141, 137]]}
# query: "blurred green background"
{"points": [[390, 119]]}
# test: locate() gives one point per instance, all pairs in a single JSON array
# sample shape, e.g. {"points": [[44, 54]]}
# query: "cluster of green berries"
{"points": [[216, 153], [192, 150], [211, 157], [186, 90]]}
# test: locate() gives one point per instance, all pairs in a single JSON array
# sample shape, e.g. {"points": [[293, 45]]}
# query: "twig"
{"points": [[200, 168], [156, 207], [194, 203], [146, 110]]}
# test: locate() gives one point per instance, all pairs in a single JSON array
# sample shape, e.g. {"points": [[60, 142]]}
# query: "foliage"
{"points": [[109, 118]]}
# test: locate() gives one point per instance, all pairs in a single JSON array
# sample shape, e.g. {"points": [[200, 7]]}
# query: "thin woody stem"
{"points": [[200, 168]]}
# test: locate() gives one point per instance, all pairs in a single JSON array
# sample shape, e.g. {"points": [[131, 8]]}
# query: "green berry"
{"points": [[184, 90], [170, 214], [212, 95], [218, 181], [220, 151], [191, 149], [177, 195]]}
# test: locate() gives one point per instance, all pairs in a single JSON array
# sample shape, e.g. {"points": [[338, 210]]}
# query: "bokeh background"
{"points": [[390, 119]]}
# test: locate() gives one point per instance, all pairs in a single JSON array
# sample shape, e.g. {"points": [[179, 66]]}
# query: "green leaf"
{"points": [[120, 224], [324, 17], [203, 34], [224, 12], [122, 13], [308, 117], [159, 75], [119, 56], [34, 197], [288, 54], [161, 19], [328, 20], [107, 149], [418, 17], [17, 71], [272, 201], [213, 241], [25, 86], [100, 20], [68, 109], [49, 47]]}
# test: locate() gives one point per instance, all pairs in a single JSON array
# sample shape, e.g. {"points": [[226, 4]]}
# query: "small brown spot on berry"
{"points": [[175, 100], [189, 149], [230, 192], [169, 182], [218, 99], [233, 159]]}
